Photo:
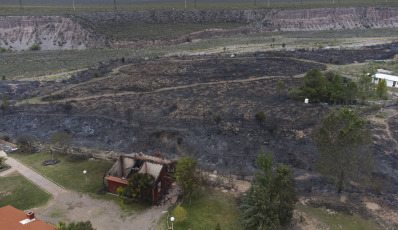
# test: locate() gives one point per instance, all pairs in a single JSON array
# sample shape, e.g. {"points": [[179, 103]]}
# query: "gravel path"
{"points": [[104, 215]]}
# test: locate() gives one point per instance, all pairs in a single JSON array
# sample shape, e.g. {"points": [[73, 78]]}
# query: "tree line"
{"points": [[331, 88]]}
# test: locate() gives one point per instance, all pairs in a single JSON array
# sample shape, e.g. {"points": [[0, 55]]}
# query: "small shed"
{"points": [[392, 81], [129, 164]]}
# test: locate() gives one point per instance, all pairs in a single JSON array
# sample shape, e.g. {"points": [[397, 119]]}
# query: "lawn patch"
{"points": [[21, 193], [337, 220], [206, 210], [68, 173]]}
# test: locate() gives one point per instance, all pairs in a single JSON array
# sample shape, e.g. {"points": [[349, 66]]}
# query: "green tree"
{"points": [[270, 200], [314, 86], [295, 94], [218, 227], [365, 88], [187, 175], [381, 89], [3, 78], [138, 186], [180, 214], [280, 87], [344, 143], [350, 92], [335, 89]]}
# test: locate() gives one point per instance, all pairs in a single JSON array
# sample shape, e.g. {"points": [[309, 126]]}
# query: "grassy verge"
{"points": [[20, 193], [337, 220], [65, 7], [206, 210], [69, 172]]}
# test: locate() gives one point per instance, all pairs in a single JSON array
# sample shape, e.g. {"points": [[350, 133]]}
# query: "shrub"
{"points": [[217, 118], [260, 116], [2, 49], [34, 47], [96, 74], [295, 94], [67, 107], [381, 89], [180, 214], [3, 78]]}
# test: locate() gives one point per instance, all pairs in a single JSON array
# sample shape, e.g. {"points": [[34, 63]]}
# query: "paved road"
{"points": [[33, 176]]}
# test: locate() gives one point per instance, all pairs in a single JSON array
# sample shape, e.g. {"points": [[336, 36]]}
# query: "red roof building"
{"points": [[15, 219]]}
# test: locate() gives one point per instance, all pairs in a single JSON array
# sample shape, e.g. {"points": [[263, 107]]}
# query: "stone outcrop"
{"points": [[331, 18], [50, 32]]}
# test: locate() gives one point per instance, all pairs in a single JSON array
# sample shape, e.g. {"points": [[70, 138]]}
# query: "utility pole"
{"points": [[73, 4], [20, 5], [114, 4]]}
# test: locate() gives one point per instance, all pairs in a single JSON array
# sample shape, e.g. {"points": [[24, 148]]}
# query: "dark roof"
{"points": [[10, 218]]}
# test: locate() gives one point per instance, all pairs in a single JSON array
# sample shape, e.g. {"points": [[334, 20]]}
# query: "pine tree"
{"points": [[344, 143], [270, 200]]}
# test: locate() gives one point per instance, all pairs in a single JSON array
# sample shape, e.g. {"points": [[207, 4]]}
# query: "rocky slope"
{"points": [[52, 33], [331, 18], [80, 30]]}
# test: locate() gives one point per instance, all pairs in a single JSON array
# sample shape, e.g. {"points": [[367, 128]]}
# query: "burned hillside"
{"points": [[203, 106]]}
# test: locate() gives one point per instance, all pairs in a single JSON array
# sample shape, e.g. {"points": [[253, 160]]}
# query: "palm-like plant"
{"points": [[2, 160]]}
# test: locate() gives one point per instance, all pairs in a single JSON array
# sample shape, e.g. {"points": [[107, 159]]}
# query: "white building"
{"points": [[392, 81]]}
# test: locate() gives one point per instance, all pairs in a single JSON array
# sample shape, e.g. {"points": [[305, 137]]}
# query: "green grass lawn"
{"points": [[337, 220], [206, 210], [68, 173], [19, 192]]}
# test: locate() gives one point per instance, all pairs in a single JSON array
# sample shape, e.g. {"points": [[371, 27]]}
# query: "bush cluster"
{"points": [[34, 47], [332, 88]]}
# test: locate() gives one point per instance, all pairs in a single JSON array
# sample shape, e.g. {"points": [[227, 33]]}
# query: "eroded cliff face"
{"points": [[331, 18], [51, 32], [78, 32]]}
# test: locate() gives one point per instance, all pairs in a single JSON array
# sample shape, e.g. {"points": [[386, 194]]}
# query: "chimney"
{"points": [[30, 215]]}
